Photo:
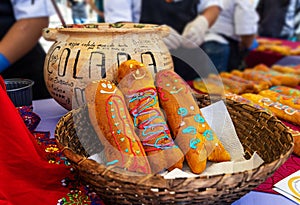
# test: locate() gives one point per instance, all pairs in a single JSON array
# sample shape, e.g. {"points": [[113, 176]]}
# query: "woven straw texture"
{"points": [[257, 130]]}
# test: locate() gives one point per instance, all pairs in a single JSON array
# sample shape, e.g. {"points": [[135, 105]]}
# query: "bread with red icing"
{"points": [[137, 84]]}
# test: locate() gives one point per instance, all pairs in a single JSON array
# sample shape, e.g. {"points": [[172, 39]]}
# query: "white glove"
{"points": [[194, 32], [173, 40]]}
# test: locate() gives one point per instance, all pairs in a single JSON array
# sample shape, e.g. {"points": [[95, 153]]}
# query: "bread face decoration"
{"points": [[137, 85], [114, 127], [190, 130]]}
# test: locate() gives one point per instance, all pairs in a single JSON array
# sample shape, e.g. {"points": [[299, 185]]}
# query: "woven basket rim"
{"points": [[141, 179], [161, 182]]}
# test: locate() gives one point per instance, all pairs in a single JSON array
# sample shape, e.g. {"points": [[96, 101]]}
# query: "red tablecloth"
{"points": [[268, 58], [289, 167], [32, 169], [26, 177]]}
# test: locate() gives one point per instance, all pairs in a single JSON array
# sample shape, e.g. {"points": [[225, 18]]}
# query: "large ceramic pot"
{"points": [[83, 53]]}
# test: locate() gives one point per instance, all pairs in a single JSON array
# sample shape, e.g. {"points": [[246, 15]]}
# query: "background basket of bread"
{"points": [[136, 157]]}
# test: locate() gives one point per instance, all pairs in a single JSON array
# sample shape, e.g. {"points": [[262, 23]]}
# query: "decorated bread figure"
{"points": [[260, 82], [286, 69], [190, 130], [280, 110], [259, 76], [288, 79], [242, 100], [209, 85], [247, 85], [285, 90], [229, 85], [292, 101], [114, 127], [137, 85]]}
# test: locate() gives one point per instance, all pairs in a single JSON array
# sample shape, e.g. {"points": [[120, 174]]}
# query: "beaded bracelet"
{"points": [[4, 63]]}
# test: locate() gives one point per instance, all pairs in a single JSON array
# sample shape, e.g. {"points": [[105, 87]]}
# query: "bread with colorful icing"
{"points": [[229, 84], [113, 124], [247, 85], [208, 85], [190, 130], [286, 69], [137, 84], [285, 90], [280, 110], [259, 77], [287, 79], [242, 100], [291, 101]]}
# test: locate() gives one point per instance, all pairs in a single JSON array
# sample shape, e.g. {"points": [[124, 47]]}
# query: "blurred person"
{"points": [[277, 18], [188, 21], [78, 10], [297, 25], [97, 6], [232, 35], [21, 55]]}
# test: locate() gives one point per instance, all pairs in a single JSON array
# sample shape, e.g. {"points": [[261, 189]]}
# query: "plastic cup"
{"points": [[19, 91]]}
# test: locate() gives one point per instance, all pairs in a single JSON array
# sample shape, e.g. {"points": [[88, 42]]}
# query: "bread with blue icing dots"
{"points": [[190, 131]]}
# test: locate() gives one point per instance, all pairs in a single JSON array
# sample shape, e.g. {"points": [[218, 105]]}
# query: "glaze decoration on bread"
{"points": [[285, 90], [286, 69], [137, 84], [249, 85], [287, 79], [113, 124], [208, 85], [243, 100], [190, 130], [291, 101], [280, 110]]}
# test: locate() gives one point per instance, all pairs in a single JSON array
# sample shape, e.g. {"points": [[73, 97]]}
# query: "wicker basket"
{"points": [[258, 131]]}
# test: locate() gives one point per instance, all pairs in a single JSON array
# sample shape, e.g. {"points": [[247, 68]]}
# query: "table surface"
{"points": [[50, 112]]}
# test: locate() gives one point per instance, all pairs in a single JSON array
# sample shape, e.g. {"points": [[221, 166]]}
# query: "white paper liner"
{"points": [[220, 121], [218, 118]]}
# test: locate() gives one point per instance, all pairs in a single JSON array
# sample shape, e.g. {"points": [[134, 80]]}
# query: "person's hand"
{"points": [[194, 32], [173, 40]]}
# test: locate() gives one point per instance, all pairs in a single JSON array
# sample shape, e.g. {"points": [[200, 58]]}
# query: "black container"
{"points": [[19, 91]]}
